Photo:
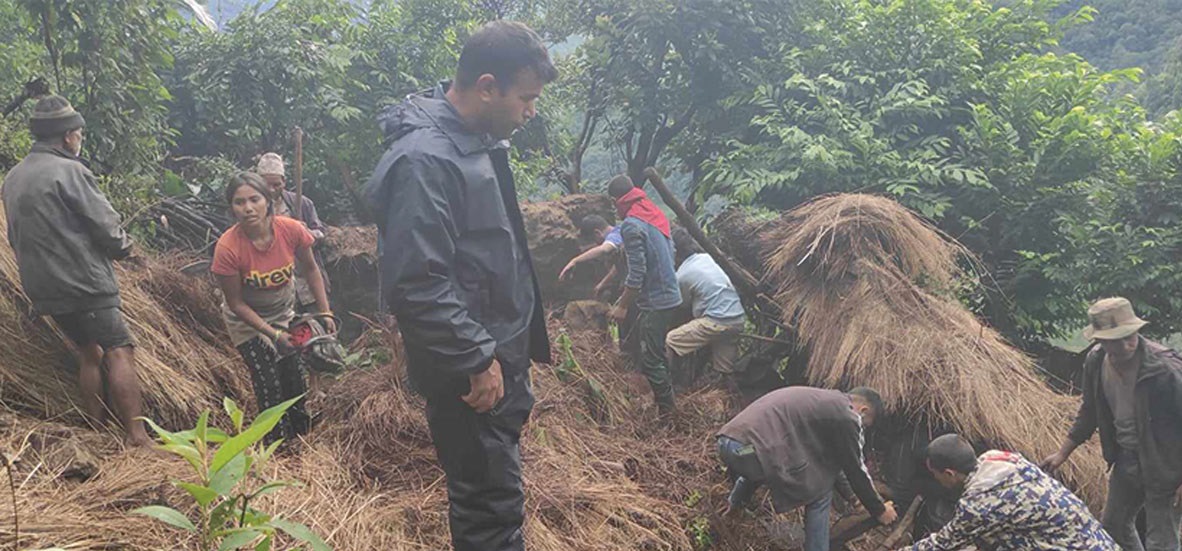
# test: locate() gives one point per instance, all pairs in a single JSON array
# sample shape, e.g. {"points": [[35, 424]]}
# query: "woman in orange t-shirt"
{"points": [[255, 261]]}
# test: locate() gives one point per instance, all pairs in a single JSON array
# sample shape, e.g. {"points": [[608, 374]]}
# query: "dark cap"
{"points": [[53, 116]]}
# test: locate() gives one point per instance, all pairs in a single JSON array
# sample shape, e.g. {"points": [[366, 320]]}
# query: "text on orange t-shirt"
{"points": [[263, 270]]}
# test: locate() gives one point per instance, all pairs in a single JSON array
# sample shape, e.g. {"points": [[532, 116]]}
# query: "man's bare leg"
{"points": [[90, 378], [125, 394]]}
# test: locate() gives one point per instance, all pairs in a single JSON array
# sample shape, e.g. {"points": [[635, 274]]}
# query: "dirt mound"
{"points": [[350, 254], [554, 240]]}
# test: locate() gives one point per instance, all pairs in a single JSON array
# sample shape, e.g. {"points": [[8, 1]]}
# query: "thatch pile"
{"points": [[870, 289], [184, 362], [371, 481]]}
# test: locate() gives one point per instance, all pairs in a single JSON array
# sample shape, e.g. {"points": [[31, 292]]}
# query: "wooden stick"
{"points": [[904, 525], [747, 282], [298, 207]]}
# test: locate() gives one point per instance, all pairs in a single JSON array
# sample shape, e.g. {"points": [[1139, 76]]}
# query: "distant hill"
{"points": [[1134, 33]]}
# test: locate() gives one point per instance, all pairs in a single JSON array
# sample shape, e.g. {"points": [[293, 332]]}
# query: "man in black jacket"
{"points": [[1133, 394], [65, 235], [457, 274]]}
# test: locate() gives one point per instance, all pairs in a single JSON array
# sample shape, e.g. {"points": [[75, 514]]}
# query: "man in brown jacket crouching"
{"points": [[798, 440]]}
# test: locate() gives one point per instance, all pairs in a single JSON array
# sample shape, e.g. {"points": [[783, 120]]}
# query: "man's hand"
{"points": [[889, 516], [1178, 497], [330, 324], [488, 387], [1052, 462], [618, 314], [567, 270]]}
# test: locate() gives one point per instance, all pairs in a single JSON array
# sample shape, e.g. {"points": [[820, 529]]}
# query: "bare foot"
{"points": [[137, 439]]}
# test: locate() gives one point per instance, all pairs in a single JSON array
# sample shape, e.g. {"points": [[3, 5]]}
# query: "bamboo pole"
{"points": [[298, 207]]}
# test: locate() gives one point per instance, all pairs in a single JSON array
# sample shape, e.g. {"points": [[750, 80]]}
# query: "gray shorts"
{"points": [[105, 327]]}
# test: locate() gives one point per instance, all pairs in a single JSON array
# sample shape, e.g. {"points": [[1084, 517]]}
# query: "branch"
{"points": [[747, 283], [665, 134]]}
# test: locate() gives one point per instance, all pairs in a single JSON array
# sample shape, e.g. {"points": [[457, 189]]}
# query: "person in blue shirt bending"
{"points": [[718, 313]]}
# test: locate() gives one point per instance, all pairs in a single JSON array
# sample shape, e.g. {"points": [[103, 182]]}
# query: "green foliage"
{"points": [[659, 67], [699, 530], [326, 66], [960, 111], [105, 57], [228, 471], [20, 52], [15, 142], [242, 91]]}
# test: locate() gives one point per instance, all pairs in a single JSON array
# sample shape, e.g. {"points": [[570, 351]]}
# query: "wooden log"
{"points": [[849, 528], [903, 527]]}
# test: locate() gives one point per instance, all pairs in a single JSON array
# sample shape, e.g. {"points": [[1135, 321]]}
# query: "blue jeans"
{"points": [[743, 468]]}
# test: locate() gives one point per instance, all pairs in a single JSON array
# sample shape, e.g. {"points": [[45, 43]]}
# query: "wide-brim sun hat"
{"points": [[1112, 319]]}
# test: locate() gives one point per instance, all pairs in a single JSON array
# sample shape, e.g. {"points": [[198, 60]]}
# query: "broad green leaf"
{"points": [[202, 426], [247, 438], [239, 538], [165, 436], [227, 477], [166, 515], [302, 533], [265, 545], [213, 435], [202, 494], [189, 453]]}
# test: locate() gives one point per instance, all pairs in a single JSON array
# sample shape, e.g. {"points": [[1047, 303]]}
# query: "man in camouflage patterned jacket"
{"points": [[1007, 504]]}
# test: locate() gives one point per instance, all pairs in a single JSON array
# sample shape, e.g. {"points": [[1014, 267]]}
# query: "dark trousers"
{"points": [[653, 326], [275, 381], [1127, 495], [743, 467], [480, 454]]}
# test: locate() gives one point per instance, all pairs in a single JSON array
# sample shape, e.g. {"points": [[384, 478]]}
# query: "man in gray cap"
{"points": [[1133, 394], [65, 235]]}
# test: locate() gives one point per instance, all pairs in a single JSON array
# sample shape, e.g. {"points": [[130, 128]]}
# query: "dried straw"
{"points": [[184, 363], [869, 287]]}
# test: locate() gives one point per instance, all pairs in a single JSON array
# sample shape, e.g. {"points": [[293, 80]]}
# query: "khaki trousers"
{"points": [[723, 340]]}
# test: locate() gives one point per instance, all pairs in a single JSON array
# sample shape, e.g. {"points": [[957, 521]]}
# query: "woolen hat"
{"points": [[270, 163], [53, 116], [1112, 319]]}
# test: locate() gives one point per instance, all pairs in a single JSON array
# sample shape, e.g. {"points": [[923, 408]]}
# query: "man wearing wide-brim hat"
{"points": [[65, 235], [1132, 393]]}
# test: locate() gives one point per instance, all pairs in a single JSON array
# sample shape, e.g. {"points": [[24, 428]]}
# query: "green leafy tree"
{"points": [[242, 91], [658, 67], [961, 111], [106, 58]]}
